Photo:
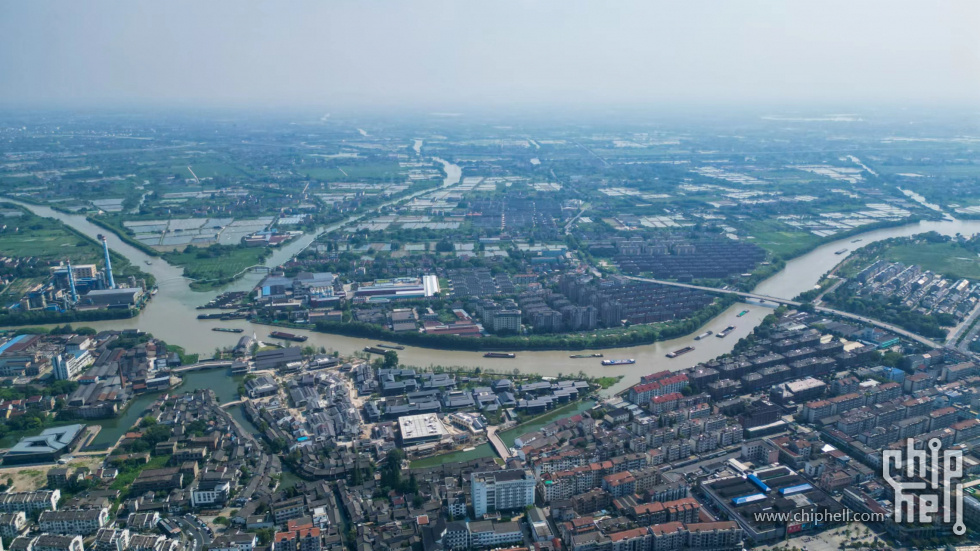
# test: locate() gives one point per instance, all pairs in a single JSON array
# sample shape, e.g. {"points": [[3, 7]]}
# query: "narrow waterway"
{"points": [[220, 381]]}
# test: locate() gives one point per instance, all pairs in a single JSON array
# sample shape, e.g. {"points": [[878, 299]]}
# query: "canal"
{"points": [[171, 316], [219, 380]]}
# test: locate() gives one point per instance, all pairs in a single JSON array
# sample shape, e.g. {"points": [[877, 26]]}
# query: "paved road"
{"points": [[199, 538], [819, 300], [955, 334], [568, 226], [823, 310]]}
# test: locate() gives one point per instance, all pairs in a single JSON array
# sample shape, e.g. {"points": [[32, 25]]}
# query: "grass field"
{"points": [[948, 259], [375, 171], [204, 264], [210, 169], [44, 238], [19, 286], [778, 238]]}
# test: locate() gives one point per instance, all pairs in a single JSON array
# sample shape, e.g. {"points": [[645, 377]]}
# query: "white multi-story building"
{"points": [[234, 542], [501, 490], [506, 320], [218, 494], [52, 542], [112, 539], [67, 367], [151, 542], [83, 522], [12, 524], [143, 522], [29, 502], [486, 533]]}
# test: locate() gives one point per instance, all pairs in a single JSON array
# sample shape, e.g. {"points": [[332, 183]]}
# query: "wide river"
{"points": [[171, 314]]}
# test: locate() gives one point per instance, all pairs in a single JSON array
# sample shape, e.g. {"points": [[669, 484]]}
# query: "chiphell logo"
{"points": [[930, 483]]}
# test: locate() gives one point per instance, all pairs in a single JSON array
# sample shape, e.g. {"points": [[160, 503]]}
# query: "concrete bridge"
{"points": [[498, 444], [207, 364], [795, 304]]}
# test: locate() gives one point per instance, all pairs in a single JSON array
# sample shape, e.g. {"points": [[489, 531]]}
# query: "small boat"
{"points": [[703, 335], [676, 353], [578, 356], [842, 251], [857, 240], [227, 329], [469, 449], [288, 336], [724, 332], [147, 262], [742, 313], [153, 291], [630, 361], [500, 355]]}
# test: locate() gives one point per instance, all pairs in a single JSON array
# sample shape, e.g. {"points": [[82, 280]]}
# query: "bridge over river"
{"points": [[794, 303]]}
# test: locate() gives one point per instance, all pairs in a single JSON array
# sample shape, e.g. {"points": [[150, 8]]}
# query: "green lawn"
{"points": [[216, 262], [778, 238], [948, 259]]}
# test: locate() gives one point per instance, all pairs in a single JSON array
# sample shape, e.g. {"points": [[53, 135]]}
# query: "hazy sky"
{"points": [[337, 53]]}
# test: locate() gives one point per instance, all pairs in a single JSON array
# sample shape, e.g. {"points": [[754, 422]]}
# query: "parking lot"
{"points": [[828, 540]]}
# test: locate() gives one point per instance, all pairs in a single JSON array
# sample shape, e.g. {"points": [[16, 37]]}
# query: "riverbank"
{"points": [[602, 339], [47, 317], [121, 234]]}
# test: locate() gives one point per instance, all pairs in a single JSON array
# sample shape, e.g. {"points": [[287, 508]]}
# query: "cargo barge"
{"points": [[724, 333], [288, 336], [630, 361], [679, 352]]}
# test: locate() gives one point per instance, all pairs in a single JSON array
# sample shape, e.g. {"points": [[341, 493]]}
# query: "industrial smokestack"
{"points": [[71, 283], [108, 264]]}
